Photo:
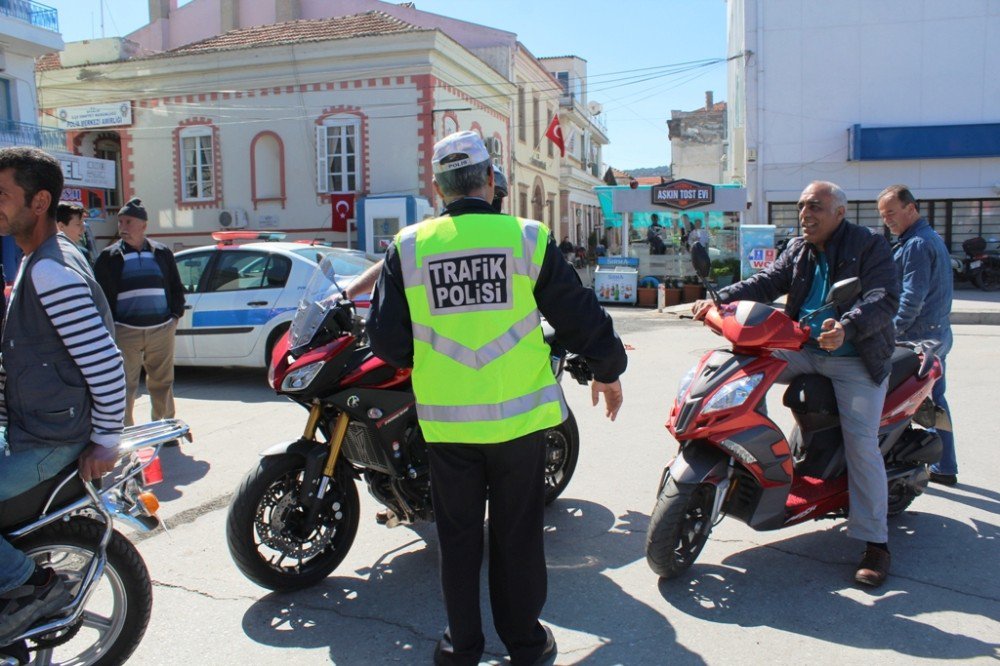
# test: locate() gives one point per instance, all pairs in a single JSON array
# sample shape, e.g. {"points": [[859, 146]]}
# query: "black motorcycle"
{"points": [[295, 515]]}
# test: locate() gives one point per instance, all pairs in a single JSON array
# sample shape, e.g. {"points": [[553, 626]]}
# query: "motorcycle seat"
{"points": [[813, 394], [27, 506]]}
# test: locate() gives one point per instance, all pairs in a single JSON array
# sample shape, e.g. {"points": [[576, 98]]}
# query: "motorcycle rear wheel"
{"points": [[562, 445], [988, 277], [116, 614], [679, 527], [901, 495], [263, 515]]}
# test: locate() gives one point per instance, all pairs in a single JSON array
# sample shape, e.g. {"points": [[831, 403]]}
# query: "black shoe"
{"points": [[944, 479], [551, 651], [23, 606]]}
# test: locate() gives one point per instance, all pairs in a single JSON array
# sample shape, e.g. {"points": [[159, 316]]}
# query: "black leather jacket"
{"points": [[851, 251]]}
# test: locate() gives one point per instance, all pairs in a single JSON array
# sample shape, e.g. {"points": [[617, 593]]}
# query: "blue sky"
{"points": [[626, 46]]}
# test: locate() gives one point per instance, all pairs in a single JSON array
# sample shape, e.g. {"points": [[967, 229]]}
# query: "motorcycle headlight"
{"points": [[299, 379], [686, 382], [733, 394]]}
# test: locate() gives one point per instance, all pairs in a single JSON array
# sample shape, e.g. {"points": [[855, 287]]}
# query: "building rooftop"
{"points": [[291, 32]]}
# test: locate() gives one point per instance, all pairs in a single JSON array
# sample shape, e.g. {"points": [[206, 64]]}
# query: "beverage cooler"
{"points": [[616, 279]]}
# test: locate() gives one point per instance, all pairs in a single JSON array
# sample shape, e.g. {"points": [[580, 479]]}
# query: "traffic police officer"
{"points": [[459, 300]]}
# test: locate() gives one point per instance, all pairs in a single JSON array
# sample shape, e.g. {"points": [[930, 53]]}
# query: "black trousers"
{"points": [[510, 477]]}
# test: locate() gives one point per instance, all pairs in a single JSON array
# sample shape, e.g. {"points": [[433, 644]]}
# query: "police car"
{"points": [[240, 297]]}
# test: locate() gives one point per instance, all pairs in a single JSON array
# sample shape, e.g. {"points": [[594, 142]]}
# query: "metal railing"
{"points": [[31, 12], [13, 133]]}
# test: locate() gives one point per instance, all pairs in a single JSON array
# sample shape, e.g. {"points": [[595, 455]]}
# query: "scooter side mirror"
{"points": [[700, 260], [844, 291]]}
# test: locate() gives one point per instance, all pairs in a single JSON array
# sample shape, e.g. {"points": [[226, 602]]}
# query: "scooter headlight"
{"points": [[686, 382], [733, 394], [299, 379]]}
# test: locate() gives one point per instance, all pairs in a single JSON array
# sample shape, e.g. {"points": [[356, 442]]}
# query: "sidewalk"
{"points": [[969, 306]]}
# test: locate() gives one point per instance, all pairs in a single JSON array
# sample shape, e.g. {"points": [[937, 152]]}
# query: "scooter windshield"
{"points": [[320, 295]]}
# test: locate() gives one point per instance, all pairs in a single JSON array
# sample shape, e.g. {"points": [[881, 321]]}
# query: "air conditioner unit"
{"points": [[233, 218]]}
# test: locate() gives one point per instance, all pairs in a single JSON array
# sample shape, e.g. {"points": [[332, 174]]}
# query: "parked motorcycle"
{"points": [[980, 265], [68, 525], [733, 459], [295, 515]]}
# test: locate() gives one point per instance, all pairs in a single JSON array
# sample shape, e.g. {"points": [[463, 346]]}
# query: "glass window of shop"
{"points": [[955, 219]]}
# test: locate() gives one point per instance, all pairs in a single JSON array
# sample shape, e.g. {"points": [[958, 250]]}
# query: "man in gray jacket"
{"points": [[62, 385]]}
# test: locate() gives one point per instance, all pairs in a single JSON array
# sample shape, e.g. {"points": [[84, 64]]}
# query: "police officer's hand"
{"points": [[97, 460], [701, 308], [833, 335], [612, 396]]}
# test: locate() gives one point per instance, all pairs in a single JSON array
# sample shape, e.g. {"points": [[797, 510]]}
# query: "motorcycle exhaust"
{"points": [[920, 448]]}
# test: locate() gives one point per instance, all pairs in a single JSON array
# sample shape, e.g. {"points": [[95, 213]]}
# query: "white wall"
{"points": [[822, 67]]}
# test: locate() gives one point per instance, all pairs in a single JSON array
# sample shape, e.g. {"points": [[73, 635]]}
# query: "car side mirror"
{"points": [[844, 292], [701, 261]]}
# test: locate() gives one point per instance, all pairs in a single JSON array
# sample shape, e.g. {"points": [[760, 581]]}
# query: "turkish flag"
{"points": [[343, 209], [554, 134]]}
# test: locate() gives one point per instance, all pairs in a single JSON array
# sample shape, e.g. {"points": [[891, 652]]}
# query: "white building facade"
{"points": [[266, 127], [867, 94]]}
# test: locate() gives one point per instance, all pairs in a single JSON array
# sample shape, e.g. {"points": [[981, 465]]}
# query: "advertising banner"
{"points": [[756, 248]]}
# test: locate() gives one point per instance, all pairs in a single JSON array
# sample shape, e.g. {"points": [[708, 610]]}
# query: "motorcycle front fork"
{"points": [[336, 440]]}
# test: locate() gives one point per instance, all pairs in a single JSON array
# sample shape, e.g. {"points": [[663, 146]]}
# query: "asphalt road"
{"points": [[782, 597]]}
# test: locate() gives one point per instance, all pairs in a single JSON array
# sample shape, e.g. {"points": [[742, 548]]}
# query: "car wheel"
{"points": [[273, 340]]}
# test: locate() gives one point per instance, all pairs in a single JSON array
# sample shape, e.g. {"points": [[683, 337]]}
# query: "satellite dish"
{"points": [[595, 108]]}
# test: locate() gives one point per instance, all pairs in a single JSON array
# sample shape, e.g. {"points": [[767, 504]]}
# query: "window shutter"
{"points": [[321, 166]]}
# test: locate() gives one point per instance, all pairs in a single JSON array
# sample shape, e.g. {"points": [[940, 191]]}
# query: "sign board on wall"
{"points": [[756, 248], [683, 194], [114, 114], [79, 171]]}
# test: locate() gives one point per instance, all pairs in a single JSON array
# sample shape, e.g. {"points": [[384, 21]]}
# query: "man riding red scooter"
{"points": [[851, 346]]}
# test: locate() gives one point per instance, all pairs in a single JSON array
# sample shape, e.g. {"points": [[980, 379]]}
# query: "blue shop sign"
{"points": [[618, 261]]}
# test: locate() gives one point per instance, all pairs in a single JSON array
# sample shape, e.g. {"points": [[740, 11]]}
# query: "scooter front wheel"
{"points": [[679, 527]]}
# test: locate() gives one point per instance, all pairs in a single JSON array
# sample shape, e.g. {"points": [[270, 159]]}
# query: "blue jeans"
{"points": [[20, 472], [948, 464]]}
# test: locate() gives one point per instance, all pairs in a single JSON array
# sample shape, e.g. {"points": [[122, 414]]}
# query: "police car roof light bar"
{"points": [[230, 237]]}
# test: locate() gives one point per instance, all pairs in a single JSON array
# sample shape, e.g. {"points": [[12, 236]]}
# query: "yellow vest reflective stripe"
{"points": [[482, 372]]}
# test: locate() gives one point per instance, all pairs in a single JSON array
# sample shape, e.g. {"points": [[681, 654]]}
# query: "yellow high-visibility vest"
{"points": [[482, 371]]}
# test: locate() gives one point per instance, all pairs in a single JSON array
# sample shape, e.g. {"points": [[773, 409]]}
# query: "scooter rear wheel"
{"points": [[562, 445], [988, 277], [679, 527]]}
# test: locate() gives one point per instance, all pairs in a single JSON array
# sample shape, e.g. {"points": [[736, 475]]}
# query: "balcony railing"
{"points": [[571, 100], [34, 13], [13, 133]]}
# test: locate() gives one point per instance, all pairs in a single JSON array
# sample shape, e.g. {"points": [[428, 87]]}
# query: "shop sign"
{"points": [[618, 261], [79, 171], [683, 194], [114, 114]]}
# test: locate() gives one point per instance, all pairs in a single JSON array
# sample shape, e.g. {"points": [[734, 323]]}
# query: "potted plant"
{"points": [[724, 271], [692, 290], [671, 293]]}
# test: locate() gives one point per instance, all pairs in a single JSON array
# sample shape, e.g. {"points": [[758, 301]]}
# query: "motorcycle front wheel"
{"points": [[679, 527], [266, 531], [562, 449], [116, 613]]}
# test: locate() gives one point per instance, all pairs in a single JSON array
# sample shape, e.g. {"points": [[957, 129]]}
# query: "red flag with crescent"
{"points": [[343, 209], [554, 134]]}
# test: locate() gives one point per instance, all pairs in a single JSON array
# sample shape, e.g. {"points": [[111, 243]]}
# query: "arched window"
{"points": [[267, 169]]}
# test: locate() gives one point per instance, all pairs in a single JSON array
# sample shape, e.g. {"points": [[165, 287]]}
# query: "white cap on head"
{"points": [[458, 150]]}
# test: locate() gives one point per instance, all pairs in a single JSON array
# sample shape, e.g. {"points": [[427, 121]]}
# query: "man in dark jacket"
{"points": [[483, 445], [852, 346], [140, 279]]}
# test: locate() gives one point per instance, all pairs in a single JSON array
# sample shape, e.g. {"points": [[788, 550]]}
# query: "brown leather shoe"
{"points": [[874, 567]]}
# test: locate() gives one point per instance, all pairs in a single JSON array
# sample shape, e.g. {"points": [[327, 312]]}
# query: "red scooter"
{"points": [[735, 461]]}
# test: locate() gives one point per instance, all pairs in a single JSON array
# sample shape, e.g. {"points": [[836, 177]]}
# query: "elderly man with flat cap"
{"points": [[459, 300], [140, 279]]}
